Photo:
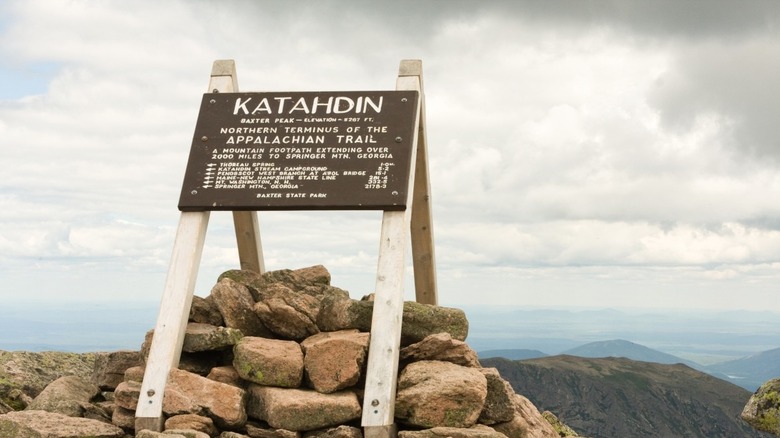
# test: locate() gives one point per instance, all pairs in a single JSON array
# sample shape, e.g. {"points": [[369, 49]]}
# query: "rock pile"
{"points": [[283, 355]]}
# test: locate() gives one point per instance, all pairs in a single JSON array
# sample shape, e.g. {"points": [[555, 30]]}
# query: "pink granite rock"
{"points": [[42, 424], [270, 362], [188, 393], [440, 394], [334, 360], [299, 409], [527, 422]]}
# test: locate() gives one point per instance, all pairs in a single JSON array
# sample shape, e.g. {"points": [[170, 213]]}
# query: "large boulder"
{"points": [[256, 282], [422, 320], [43, 424], [30, 373], [499, 403], [334, 360], [300, 409], [441, 346], [68, 395], [110, 367], [314, 275], [188, 393], [343, 313], [419, 320], [287, 313], [205, 311], [440, 394], [762, 411], [236, 305], [287, 302], [314, 280], [270, 362], [527, 422]]}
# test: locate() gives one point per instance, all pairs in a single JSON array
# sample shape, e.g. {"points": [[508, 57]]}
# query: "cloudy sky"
{"points": [[610, 153]]}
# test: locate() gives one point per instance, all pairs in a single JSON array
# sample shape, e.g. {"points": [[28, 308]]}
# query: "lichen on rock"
{"points": [[763, 409]]}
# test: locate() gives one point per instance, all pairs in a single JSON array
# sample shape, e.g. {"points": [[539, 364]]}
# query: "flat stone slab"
{"points": [[42, 424], [301, 410]]}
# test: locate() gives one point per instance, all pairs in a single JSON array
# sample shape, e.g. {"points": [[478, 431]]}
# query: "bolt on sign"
{"points": [[300, 151]]}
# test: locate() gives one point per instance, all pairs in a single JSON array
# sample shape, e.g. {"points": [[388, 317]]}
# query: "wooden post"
{"points": [[166, 345], [165, 350], [250, 248], [423, 251], [384, 348]]}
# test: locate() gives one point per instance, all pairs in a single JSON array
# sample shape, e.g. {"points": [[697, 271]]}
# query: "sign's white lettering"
{"points": [[304, 105], [276, 139]]}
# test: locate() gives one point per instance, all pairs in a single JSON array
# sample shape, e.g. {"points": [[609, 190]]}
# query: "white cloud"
{"points": [[594, 152]]}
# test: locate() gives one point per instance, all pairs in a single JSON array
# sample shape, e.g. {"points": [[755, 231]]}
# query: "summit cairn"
{"points": [[230, 385], [287, 383]]}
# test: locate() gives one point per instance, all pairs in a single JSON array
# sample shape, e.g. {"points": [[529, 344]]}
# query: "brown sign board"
{"points": [[301, 150]]}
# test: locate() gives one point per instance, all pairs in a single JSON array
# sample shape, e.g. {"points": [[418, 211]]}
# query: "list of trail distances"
{"points": [[301, 150]]}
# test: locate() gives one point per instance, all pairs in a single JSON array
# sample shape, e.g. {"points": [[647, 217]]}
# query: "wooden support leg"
{"points": [[172, 320], [382, 370], [423, 253], [250, 248], [390, 431]]}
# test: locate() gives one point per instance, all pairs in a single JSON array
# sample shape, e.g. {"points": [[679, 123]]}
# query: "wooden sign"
{"points": [[302, 150], [281, 151]]}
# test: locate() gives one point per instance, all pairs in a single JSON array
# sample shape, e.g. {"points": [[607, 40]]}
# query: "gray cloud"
{"points": [[585, 141], [663, 19], [728, 81]]}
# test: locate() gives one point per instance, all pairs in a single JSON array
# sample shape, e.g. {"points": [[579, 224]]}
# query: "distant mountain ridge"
{"points": [[748, 372], [619, 397], [627, 349], [512, 354], [699, 335]]}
